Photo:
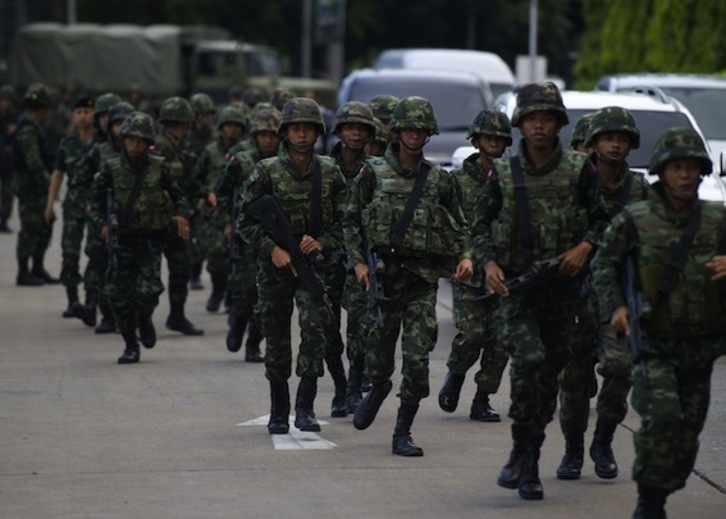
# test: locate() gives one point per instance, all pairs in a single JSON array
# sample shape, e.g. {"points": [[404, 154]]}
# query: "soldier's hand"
{"points": [[182, 226], [494, 279], [49, 215], [361, 274], [619, 320], [104, 233], [212, 199], [228, 233], [464, 270], [308, 245], [282, 259], [718, 266], [87, 209], [574, 260]]}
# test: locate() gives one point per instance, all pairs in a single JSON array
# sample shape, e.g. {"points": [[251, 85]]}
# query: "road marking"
{"points": [[295, 439]]}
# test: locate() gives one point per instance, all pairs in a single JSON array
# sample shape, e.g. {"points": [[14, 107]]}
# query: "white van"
{"points": [[488, 65]]}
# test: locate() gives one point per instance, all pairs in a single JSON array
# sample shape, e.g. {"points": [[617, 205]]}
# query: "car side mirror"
{"points": [[722, 165]]}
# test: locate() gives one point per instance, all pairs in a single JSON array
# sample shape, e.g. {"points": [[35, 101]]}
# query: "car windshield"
{"points": [[708, 106], [455, 104]]}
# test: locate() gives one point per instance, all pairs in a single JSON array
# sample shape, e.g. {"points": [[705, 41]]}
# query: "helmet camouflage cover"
{"points": [[231, 114], [301, 110], [491, 122], [37, 94], [679, 143], [383, 106], [579, 132], [138, 124], [202, 104], [104, 102], [613, 119], [265, 120], [119, 111], [414, 112], [176, 110], [380, 133], [354, 112], [539, 97], [280, 96]]}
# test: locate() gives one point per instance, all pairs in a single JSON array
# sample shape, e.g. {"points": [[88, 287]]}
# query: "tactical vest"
{"points": [[616, 200], [106, 151], [174, 159], [217, 159], [433, 230], [153, 208], [559, 222], [697, 304]]}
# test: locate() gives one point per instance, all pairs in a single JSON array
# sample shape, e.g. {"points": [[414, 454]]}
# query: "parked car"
{"points": [[455, 95]]}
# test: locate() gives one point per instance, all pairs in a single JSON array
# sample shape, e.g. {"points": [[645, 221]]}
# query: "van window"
{"points": [[708, 106]]}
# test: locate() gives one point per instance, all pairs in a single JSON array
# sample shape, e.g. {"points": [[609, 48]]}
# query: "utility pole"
{"points": [[307, 39], [533, 8], [71, 13]]}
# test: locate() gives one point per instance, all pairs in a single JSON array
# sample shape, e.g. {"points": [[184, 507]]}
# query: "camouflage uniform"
{"points": [[477, 335], [280, 96], [383, 106], [7, 120], [566, 210], [133, 284], [436, 235], [278, 288], [579, 131], [592, 342], [685, 327]]}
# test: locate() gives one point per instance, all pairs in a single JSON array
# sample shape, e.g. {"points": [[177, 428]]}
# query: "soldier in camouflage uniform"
{"points": [[490, 134], [383, 106], [416, 253], [242, 286], [147, 216], [175, 117], [376, 145], [69, 160], [579, 133], [292, 177], [556, 211], [677, 245], [32, 162], [230, 127], [7, 132], [280, 96], [353, 125], [611, 135]]}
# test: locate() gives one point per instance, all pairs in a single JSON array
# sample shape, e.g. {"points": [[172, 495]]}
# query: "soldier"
{"points": [[69, 161], [175, 117], [242, 287], [253, 95], [611, 135], [542, 204], [676, 245], [579, 132], [376, 145], [310, 190], [149, 205], [490, 134], [383, 106], [409, 212], [230, 126], [32, 164], [280, 96], [7, 132]]}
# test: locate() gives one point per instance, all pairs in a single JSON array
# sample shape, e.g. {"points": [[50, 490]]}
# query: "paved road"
{"points": [[81, 436]]}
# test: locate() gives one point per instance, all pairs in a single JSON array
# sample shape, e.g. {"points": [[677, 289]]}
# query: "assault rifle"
{"points": [[375, 287], [539, 273], [112, 245], [638, 307]]}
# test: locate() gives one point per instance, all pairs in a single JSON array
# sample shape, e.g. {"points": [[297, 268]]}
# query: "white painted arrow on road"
{"points": [[295, 439]]}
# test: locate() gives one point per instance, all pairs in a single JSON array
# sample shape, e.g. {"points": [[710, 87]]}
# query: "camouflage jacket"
{"points": [[70, 159], [236, 174], [210, 166], [650, 230], [616, 199], [565, 203], [31, 158], [180, 163], [349, 174], [100, 150]]}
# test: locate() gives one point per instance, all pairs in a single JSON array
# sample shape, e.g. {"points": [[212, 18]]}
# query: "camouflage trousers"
{"points": [[476, 340], [334, 283], [134, 285], [355, 301], [411, 304], [94, 278], [176, 251], [74, 224], [6, 195], [673, 404], [534, 327], [242, 285], [213, 246], [34, 236], [277, 291]]}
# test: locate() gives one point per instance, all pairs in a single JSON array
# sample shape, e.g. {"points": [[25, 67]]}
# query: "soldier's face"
{"points": [[354, 135], [301, 136], [580, 146], [613, 145], [539, 129], [103, 121], [203, 120], [135, 147], [116, 128], [491, 145], [83, 118], [375, 148], [267, 142], [231, 131], [413, 138], [681, 178]]}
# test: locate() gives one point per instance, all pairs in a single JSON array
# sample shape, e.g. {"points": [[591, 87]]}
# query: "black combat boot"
{"points": [[338, 408], [219, 288], [72, 293], [520, 459], [571, 464], [252, 346], [353, 394], [178, 322], [108, 321], [402, 442], [40, 272], [304, 414], [87, 312], [481, 410], [601, 451], [450, 391], [131, 354], [530, 487], [195, 277], [147, 332], [236, 333], [280, 408], [369, 406], [25, 278], [651, 503]]}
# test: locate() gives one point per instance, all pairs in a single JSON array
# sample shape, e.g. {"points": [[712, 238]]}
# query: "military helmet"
{"points": [[231, 114], [264, 105], [202, 104], [138, 124], [679, 143], [538, 97], [354, 112], [119, 111], [265, 120], [613, 119], [253, 95], [383, 106], [380, 133], [579, 132], [280, 96], [175, 110], [414, 112], [491, 122], [37, 95], [104, 102], [301, 110]]}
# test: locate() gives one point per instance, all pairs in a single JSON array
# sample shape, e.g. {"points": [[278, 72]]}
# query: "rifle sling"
{"points": [[316, 201], [680, 253], [135, 192], [524, 216], [413, 199]]}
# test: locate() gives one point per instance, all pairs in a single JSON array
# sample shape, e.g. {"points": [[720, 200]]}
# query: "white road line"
{"points": [[295, 439]]}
